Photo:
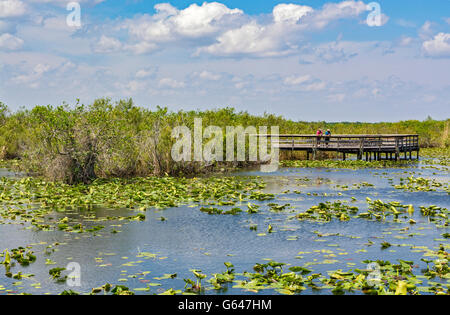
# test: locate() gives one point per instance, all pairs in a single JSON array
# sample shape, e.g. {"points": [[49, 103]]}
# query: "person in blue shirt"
{"points": [[327, 137]]}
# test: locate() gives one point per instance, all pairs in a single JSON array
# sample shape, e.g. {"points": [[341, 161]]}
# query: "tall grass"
{"points": [[80, 143]]}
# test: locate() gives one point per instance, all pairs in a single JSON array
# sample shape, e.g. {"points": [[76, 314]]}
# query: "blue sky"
{"points": [[305, 60]]}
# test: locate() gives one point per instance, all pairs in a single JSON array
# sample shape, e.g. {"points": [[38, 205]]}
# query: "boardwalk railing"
{"points": [[390, 145]]}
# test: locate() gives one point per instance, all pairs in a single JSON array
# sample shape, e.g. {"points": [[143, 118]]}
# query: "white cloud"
{"points": [[12, 8], [283, 36], [10, 42], [439, 46], [146, 73], [34, 75], [306, 83], [290, 13], [135, 85], [405, 41], [222, 31], [295, 80], [251, 39], [146, 28], [170, 83], [196, 21], [315, 86], [141, 48], [107, 45], [426, 31], [207, 75], [170, 24], [335, 11]]}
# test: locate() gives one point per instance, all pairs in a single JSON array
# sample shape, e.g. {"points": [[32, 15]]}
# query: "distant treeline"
{"points": [[118, 139]]}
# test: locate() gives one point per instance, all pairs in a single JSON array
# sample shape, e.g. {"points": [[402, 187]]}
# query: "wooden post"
{"points": [[361, 149], [397, 153]]}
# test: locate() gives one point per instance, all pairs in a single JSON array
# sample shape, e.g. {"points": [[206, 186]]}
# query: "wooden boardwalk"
{"points": [[372, 147]]}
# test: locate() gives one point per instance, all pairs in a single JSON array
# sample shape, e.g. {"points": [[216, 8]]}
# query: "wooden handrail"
{"points": [[338, 136]]}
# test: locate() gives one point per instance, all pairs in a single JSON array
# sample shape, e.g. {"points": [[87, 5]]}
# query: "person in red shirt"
{"points": [[319, 135]]}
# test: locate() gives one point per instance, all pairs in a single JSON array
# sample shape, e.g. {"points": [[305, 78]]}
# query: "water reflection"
{"points": [[190, 239]]}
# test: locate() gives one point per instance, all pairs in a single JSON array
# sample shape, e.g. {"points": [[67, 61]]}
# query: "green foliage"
{"points": [[79, 143]]}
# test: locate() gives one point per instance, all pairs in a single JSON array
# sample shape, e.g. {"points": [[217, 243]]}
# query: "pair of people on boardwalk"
{"points": [[320, 134]]}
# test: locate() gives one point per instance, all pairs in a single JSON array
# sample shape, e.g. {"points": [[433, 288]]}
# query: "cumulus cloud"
{"points": [[251, 39], [196, 21], [12, 8], [439, 46], [10, 42], [171, 83], [107, 45], [290, 13], [335, 11], [306, 83], [283, 34], [215, 29], [170, 24]]}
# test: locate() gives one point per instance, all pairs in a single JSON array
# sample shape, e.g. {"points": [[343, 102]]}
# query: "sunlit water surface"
{"points": [[190, 239]]}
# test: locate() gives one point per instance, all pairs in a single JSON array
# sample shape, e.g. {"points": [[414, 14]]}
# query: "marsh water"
{"points": [[135, 253]]}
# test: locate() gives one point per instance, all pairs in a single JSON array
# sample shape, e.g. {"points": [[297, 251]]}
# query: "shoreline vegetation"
{"points": [[104, 140]]}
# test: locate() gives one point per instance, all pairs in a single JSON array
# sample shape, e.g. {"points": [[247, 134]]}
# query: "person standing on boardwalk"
{"points": [[327, 137], [319, 135]]}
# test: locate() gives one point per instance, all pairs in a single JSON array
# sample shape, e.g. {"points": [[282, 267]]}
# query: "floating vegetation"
{"points": [[420, 184], [32, 200], [138, 194], [326, 211], [56, 275], [348, 164], [347, 232]]}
